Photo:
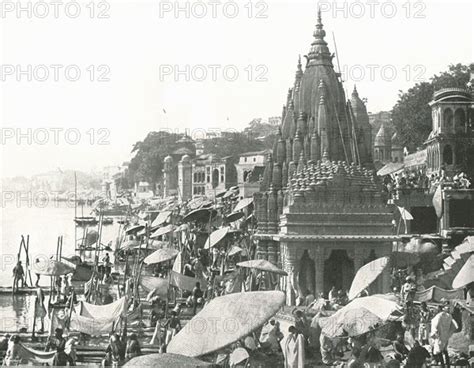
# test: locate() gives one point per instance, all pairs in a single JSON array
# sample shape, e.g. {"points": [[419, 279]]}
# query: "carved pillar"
{"points": [[359, 257], [262, 249], [292, 268], [272, 252], [386, 280], [319, 258]]}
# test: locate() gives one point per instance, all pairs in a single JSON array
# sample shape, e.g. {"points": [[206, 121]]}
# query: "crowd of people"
{"points": [[405, 182]]}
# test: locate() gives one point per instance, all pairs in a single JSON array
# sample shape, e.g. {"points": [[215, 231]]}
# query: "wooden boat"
{"points": [[85, 221]]}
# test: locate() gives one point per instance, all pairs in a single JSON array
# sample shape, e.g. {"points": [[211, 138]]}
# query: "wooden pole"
{"points": [[34, 318]]}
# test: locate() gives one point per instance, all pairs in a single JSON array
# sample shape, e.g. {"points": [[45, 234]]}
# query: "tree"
{"points": [[232, 144], [411, 115], [147, 165]]}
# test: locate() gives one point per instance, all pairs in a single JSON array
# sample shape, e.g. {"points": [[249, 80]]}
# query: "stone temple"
{"points": [[319, 211]]}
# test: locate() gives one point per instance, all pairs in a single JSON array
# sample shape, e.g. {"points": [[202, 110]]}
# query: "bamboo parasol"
{"points": [[262, 265], [224, 320], [166, 360]]}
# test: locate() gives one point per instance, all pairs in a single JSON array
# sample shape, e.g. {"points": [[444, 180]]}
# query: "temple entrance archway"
{"points": [[338, 271]]}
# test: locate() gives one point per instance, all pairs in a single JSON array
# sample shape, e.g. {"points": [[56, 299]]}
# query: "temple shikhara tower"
{"points": [[319, 211]]}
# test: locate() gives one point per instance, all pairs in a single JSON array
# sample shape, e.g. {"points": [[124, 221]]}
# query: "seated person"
{"points": [[401, 351]]}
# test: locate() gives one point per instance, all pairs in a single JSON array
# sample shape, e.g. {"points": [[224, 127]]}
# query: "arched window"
{"points": [[215, 178], [448, 121], [460, 154], [460, 121], [448, 155]]}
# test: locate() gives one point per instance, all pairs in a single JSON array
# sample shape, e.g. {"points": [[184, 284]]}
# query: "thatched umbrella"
{"points": [[465, 275], [166, 361], [366, 275], [51, 268], [243, 204], [202, 215], [161, 255], [216, 237], [224, 320], [262, 265]]}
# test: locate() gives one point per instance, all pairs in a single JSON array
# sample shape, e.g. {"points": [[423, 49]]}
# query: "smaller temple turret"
{"points": [[297, 146], [322, 121]]}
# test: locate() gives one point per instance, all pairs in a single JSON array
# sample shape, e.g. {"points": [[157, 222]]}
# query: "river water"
{"points": [[43, 224]]}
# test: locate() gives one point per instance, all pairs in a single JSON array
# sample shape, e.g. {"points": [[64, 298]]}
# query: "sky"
{"points": [[82, 82]]}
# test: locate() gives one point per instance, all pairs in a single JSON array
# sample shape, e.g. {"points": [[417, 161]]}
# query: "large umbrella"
{"points": [[224, 320], [351, 322], [366, 275], [215, 237], [390, 168], [383, 306], [163, 231], [51, 268], [130, 244], [234, 216], [235, 250], [154, 283], [166, 360], [243, 204], [465, 275], [161, 255], [262, 265], [134, 229], [202, 215], [161, 218]]}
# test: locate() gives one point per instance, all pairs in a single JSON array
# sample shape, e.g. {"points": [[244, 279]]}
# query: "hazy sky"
{"points": [[81, 84]]}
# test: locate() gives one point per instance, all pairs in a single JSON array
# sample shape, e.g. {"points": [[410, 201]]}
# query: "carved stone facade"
{"points": [[319, 211]]}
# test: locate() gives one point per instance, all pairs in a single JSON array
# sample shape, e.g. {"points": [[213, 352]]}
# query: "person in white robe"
{"points": [[442, 327], [293, 349]]}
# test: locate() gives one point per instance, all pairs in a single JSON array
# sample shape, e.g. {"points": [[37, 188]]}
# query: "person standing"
{"points": [[424, 328], [57, 340], [417, 356], [197, 296], [293, 349], [442, 328], [13, 356], [172, 325], [40, 310], [133, 347], [18, 276]]}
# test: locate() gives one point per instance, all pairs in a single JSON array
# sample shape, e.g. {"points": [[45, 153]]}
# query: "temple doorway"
{"points": [[338, 271], [306, 275]]}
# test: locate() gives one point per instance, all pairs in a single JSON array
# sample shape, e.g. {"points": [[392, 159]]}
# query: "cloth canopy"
{"points": [[437, 294], [157, 284], [36, 356], [96, 320], [366, 275], [224, 320], [185, 282]]}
